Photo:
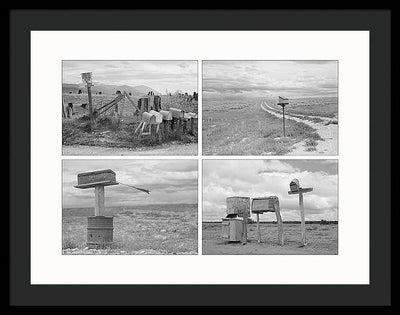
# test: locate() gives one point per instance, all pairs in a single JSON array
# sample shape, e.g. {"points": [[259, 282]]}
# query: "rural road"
{"points": [[329, 133], [164, 149]]}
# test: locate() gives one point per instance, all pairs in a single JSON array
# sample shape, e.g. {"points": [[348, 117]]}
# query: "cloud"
{"points": [[256, 178], [261, 78]]}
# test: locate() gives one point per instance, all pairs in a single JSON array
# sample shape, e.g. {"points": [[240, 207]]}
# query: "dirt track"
{"points": [[164, 149], [329, 133]]}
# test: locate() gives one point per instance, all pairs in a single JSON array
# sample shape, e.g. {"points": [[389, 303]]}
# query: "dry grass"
{"points": [[157, 229], [242, 128], [322, 240]]}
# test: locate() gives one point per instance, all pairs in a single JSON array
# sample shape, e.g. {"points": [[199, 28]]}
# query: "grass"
{"points": [[111, 131], [152, 229], [242, 128], [312, 106], [321, 239]]}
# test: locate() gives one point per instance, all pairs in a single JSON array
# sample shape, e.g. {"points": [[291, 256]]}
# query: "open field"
{"points": [[117, 132], [322, 239], [166, 229], [240, 127]]}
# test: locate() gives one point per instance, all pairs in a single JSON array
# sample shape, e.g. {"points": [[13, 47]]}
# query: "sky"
{"points": [[170, 181], [159, 75], [270, 79], [259, 178]]}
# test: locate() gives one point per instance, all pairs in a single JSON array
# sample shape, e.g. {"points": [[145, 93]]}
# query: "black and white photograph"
{"points": [[129, 207], [270, 207], [270, 107], [123, 107]]}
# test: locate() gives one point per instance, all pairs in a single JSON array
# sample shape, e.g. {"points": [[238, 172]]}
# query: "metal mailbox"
{"points": [[264, 204], [166, 115], [157, 115], [238, 205], [91, 179], [294, 185], [176, 112]]}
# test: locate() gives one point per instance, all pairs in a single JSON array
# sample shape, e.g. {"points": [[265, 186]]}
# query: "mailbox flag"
{"points": [[141, 189]]}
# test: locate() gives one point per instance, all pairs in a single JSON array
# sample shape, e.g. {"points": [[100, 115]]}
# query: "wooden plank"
{"points": [[300, 191], [258, 228], [303, 222], [280, 225]]}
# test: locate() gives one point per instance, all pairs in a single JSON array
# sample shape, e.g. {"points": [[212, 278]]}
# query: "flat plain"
{"points": [[322, 239], [254, 126], [165, 229]]}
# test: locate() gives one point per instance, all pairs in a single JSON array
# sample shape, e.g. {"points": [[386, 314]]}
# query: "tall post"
{"points": [[99, 200], [284, 132], [303, 221], [258, 227], [245, 226], [280, 224], [89, 90]]}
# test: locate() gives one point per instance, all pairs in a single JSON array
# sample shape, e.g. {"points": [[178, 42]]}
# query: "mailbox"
{"points": [[148, 118], [238, 205], [264, 204], [166, 115], [192, 115], [176, 112], [157, 115], [294, 185], [91, 179]]}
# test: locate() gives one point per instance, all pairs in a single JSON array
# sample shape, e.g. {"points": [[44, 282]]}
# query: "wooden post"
{"points": [[64, 114], [245, 227], [99, 200], [280, 225], [89, 90], [284, 132], [258, 227], [303, 221]]}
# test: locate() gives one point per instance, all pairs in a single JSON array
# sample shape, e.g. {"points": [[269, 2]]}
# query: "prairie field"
{"points": [[165, 229], [322, 239], [243, 127]]}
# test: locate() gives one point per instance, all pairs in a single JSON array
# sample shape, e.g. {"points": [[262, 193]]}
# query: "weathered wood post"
{"points": [[296, 189], [87, 79], [64, 114], [283, 102], [99, 227], [258, 228], [261, 205]]}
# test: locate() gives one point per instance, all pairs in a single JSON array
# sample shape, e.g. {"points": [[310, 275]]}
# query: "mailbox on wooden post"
{"points": [[99, 227], [295, 189], [283, 102], [268, 204]]}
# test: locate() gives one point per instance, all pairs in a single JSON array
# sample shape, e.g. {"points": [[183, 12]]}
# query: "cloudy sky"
{"points": [[292, 79], [169, 182], [257, 178], [159, 75]]}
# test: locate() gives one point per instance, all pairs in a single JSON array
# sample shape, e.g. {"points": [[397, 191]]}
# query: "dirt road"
{"points": [[329, 133], [164, 149]]}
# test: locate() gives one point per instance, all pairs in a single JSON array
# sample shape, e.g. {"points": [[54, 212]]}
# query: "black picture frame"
{"points": [[377, 22]]}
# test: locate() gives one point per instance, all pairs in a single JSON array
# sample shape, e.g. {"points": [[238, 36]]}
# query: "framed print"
{"points": [[163, 157]]}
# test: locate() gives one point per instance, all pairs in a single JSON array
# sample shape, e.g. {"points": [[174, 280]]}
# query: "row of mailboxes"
{"points": [[155, 117]]}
